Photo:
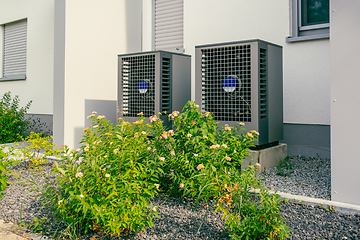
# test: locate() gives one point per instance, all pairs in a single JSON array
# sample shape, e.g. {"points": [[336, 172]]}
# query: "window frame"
{"points": [[305, 33], [2, 56]]}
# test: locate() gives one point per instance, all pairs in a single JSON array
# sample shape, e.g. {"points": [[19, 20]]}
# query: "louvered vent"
{"points": [[263, 84], [165, 85], [169, 24], [15, 38], [138, 82], [226, 82]]}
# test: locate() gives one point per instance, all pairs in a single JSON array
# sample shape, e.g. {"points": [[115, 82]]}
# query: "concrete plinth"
{"points": [[267, 157]]}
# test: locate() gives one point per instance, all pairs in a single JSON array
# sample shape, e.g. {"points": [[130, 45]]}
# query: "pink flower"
{"points": [[171, 132], [149, 148], [258, 165], [162, 159], [217, 145], [79, 174], [81, 195], [164, 135], [181, 185], [196, 155], [172, 153], [224, 145], [207, 114], [250, 135], [187, 162], [157, 185], [193, 122], [200, 166], [255, 132], [241, 124], [188, 135], [153, 118], [251, 166], [228, 128], [136, 134], [154, 149], [78, 149]]}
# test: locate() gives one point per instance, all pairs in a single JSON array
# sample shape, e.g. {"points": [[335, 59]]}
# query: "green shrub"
{"points": [[12, 119], [108, 182], [197, 144]]}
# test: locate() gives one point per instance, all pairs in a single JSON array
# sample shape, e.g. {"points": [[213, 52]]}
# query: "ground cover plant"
{"points": [[107, 183], [12, 119]]}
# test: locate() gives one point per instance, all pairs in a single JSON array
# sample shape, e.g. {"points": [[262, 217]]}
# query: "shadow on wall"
{"points": [[101, 107], [41, 123], [307, 140]]}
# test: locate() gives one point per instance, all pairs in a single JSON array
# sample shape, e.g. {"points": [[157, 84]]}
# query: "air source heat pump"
{"points": [[242, 82], [153, 82]]}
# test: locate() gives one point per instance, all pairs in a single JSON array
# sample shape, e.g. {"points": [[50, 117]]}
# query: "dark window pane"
{"points": [[315, 12]]}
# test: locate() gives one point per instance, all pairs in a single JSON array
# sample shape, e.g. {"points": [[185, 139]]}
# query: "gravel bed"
{"points": [[178, 220], [311, 177]]}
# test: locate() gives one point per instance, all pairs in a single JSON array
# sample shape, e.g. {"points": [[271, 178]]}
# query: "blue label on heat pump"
{"points": [[143, 87], [229, 84]]}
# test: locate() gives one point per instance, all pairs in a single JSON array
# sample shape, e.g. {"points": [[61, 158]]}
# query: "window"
{"points": [[310, 20], [13, 62], [168, 27]]}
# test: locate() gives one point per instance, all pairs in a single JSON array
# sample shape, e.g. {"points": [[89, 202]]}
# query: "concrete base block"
{"points": [[268, 157]]}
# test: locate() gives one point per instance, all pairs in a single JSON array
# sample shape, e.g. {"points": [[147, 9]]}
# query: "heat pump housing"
{"points": [[153, 82], [242, 82]]}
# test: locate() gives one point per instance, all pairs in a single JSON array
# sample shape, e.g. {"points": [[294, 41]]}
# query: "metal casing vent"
{"points": [[242, 82], [153, 82]]}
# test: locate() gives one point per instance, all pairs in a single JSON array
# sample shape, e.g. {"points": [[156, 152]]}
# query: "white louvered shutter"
{"points": [[169, 25], [15, 37]]}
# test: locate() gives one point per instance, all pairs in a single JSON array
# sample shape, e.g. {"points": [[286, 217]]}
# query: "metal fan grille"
{"points": [[135, 71], [217, 65]]}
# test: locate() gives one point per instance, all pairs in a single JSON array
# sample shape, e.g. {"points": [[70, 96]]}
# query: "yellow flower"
{"points": [[85, 129], [241, 124], [140, 114], [200, 166], [228, 158], [138, 122], [250, 135], [100, 117]]}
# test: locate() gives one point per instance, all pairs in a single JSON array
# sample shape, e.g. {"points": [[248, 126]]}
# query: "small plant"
{"points": [[284, 168], [5, 163], [12, 119], [32, 155]]}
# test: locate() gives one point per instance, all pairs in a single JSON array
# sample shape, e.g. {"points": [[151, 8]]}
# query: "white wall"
{"points": [[306, 64], [95, 33], [40, 54], [345, 103]]}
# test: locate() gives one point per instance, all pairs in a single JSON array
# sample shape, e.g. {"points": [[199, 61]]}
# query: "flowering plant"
{"points": [[107, 183], [195, 146]]}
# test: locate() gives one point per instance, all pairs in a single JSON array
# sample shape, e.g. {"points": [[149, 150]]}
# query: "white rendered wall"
{"points": [[345, 103], [95, 33], [38, 85], [306, 64]]}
